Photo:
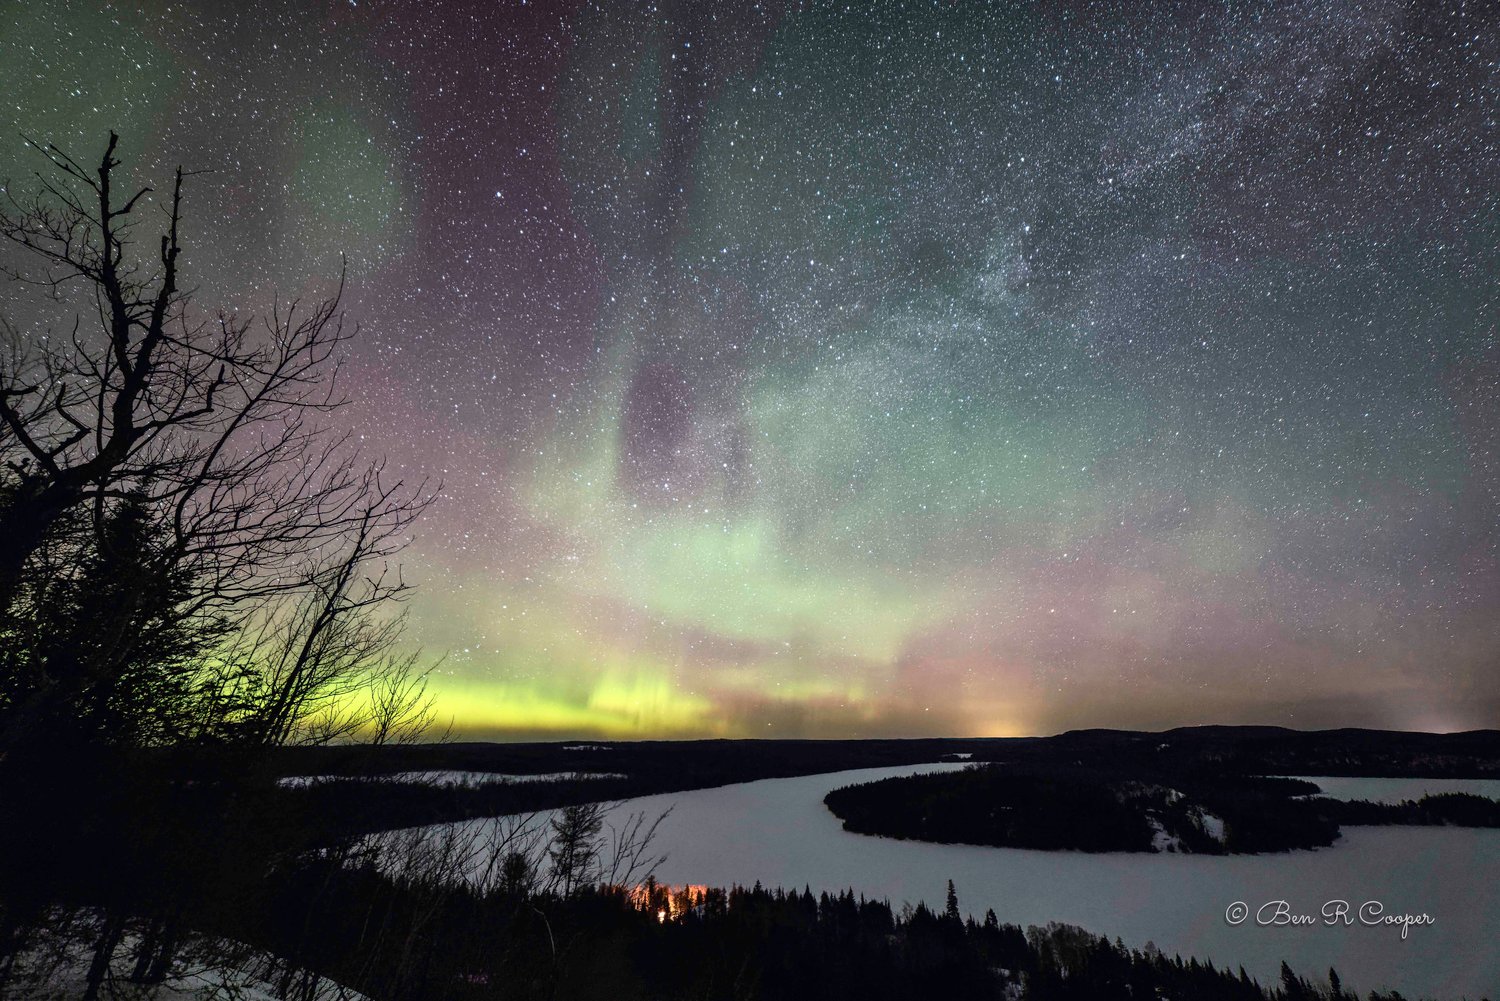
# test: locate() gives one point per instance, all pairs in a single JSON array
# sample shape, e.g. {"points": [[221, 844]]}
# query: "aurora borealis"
{"points": [[874, 369]]}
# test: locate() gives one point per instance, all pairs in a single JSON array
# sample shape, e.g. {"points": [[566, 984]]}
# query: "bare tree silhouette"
{"points": [[271, 526]]}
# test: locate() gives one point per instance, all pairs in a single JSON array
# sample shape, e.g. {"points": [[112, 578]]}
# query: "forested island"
{"points": [[1099, 808]]}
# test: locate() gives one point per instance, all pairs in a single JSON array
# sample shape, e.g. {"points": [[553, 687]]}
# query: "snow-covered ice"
{"points": [[779, 832]]}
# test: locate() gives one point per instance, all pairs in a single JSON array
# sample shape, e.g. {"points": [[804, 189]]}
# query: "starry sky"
{"points": [[810, 369]]}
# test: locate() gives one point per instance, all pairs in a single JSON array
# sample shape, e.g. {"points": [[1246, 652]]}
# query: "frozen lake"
{"points": [[778, 832], [1381, 790]]}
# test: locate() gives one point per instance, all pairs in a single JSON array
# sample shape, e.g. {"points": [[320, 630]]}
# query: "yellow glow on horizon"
{"points": [[618, 706]]}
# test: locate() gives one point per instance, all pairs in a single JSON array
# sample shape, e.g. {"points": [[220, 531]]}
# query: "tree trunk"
{"points": [[161, 962], [145, 951], [109, 939], [24, 524]]}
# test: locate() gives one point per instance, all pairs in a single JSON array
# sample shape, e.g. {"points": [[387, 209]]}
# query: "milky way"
{"points": [[814, 370]]}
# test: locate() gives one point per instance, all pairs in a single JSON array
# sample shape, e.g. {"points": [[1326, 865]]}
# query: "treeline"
{"points": [[1213, 766], [624, 770], [708, 761], [739, 944], [1102, 809], [1239, 750], [1449, 809], [1266, 750]]}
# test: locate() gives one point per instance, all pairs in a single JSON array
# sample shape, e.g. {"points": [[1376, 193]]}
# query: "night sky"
{"points": [[873, 369]]}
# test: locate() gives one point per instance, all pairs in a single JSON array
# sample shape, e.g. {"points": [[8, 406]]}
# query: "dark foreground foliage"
{"points": [[321, 924]]}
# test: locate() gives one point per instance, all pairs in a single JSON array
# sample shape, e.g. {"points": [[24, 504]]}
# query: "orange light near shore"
{"points": [[668, 902]]}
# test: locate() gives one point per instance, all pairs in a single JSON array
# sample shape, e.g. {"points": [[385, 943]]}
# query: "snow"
{"points": [[778, 832], [1161, 841], [453, 779], [194, 977]]}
